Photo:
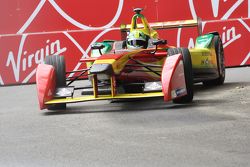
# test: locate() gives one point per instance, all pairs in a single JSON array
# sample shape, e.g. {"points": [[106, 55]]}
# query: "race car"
{"points": [[124, 69]]}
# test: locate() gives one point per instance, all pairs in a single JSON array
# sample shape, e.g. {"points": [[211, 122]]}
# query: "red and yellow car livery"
{"points": [[117, 72]]}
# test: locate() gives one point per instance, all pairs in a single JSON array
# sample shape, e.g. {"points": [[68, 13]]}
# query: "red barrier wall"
{"points": [[33, 29]]}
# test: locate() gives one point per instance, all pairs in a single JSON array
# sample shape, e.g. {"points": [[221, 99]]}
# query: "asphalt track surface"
{"points": [[212, 131]]}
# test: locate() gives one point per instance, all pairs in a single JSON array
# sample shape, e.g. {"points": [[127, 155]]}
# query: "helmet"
{"points": [[137, 39]]}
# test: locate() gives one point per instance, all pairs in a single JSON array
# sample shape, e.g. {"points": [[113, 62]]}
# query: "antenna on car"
{"points": [[138, 10]]}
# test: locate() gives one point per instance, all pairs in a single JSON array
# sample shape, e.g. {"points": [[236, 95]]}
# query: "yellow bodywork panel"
{"points": [[203, 58], [119, 64], [105, 97], [105, 61]]}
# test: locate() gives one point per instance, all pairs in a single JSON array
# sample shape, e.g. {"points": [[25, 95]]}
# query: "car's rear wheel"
{"points": [[58, 63], [188, 72], [220, 63]]}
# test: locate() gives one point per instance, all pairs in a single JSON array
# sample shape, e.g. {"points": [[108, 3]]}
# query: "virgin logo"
{"points": [[24, 60], [220, 9]]}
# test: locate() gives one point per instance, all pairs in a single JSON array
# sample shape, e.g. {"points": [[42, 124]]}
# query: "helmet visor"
{"points": [[137, 43]]}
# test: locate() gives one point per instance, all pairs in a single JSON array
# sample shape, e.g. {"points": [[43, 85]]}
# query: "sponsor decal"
{"points": [[234, 34], [22, 61], [25, 60], [20, 58], [206, 62], [219, 9], [178, 92], [229, 35]]}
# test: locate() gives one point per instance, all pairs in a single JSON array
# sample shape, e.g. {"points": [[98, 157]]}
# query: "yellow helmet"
{"points": [[137, 39]]}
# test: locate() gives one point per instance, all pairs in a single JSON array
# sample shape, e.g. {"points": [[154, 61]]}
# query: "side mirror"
{"points": [[158, 42], [98, 46]]}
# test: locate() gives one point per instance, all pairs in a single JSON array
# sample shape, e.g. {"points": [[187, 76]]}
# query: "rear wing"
{"points": [[167, 25]]}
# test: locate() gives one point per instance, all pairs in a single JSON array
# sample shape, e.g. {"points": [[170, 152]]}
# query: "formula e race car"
{"points": [[140, 65]]}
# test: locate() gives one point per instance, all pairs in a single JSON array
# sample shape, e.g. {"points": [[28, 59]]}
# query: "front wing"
{"points": [[105, 97]]}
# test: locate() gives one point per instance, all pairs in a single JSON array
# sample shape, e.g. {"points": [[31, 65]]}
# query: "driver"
{"points": [[137, 40]]}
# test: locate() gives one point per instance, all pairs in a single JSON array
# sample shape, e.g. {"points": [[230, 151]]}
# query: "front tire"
{"points": [[188, 72], [58, 63]]}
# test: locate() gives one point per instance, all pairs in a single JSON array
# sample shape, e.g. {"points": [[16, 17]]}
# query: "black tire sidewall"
{"points": [[220, 63], [58, 62], [220, 57], [188, 71]]}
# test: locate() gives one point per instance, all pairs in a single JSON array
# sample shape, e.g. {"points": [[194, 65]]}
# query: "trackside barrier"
{"points": [[31, 30]]}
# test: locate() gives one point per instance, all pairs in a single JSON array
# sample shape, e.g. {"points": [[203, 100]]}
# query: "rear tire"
{"points": [[220, 63], [58, 63], [188, 72]]}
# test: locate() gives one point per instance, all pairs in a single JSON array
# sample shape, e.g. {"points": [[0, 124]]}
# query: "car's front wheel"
{"points": [[188, 72], [58, 63]]}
